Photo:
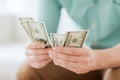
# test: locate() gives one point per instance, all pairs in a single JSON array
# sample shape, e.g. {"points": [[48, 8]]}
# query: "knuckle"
{"points": [[28, 44], [42, 51], [34, 57], [34, 52], [32, 45], [29, 51], [36, 66], [39, 64], [77, 72], [80, 71]]}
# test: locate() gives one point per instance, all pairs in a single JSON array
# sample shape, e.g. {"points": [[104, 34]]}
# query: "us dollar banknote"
{"points": [[39, 33], [74, 39], [57, 39], [36, 31], [23, 21]]}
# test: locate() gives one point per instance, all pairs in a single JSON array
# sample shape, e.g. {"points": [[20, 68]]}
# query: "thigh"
{"points": [[112, 74], [52, 72]]}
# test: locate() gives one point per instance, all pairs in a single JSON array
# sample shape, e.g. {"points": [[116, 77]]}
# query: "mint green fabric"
{"points": [[101, 17]]}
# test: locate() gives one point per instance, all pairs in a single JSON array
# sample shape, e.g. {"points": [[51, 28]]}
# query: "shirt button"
{"points": [[93, 25]]}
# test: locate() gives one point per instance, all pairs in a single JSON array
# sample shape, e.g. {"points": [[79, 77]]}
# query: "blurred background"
{"points": [[13, 37]]}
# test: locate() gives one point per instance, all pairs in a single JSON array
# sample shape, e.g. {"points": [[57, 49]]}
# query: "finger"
{"points": [[38, 58], [65, 64], [39, 64], [72, 51], [56, 54], [35, 45], [30, 52], [53, 54], [70, 58], [75, 67]]}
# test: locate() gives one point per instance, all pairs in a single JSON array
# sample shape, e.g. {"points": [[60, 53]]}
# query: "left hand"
{"points": [[78, 60]]}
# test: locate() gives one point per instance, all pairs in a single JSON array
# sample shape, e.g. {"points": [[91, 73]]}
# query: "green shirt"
{"points": [[101, 17]]}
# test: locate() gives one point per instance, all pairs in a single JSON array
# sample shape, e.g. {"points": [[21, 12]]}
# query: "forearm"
{"points": [[107, 58]]}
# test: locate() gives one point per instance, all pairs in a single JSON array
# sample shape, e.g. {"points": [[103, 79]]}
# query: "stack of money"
{"points": [[57, 39], [37, 32]]}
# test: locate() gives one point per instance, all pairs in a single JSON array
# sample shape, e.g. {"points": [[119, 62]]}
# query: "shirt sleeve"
{"points": [[50, 14]]}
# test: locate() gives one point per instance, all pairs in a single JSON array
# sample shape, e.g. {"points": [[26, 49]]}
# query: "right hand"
{"points": [[37, 55]]}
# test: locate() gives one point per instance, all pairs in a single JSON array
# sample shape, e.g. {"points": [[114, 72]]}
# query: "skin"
{"points": [[37, 55], [78, 60], [83, 60]]}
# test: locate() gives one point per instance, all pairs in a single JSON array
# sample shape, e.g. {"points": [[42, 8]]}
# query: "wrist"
{"points": [[102, 59]]}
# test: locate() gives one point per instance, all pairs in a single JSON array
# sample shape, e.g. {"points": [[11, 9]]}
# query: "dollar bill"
{"points": [[23, 21], [74, 39], [39, 33], [57, 39]]}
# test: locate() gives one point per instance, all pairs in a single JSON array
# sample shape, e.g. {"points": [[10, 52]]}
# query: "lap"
{"points": [[52, 72], [112, 74]]}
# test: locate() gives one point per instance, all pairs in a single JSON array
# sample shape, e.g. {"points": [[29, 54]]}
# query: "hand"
{"points": [[37, 54], [78, 60]]}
